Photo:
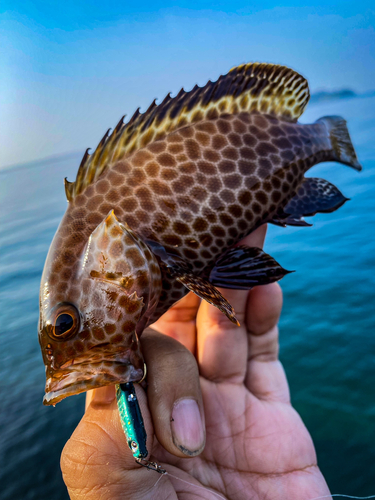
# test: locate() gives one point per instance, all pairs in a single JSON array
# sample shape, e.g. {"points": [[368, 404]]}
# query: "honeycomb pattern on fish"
{"points": [[202, 188], [160, 202]]}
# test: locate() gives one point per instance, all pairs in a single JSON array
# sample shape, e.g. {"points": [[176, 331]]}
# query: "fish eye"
{"points": [[65, 323]]}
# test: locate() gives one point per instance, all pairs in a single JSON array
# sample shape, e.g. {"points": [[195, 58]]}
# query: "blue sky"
{"points": [[69, 70]]}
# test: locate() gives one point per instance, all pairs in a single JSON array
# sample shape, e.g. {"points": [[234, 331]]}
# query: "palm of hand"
{"points": [[256, 444]]}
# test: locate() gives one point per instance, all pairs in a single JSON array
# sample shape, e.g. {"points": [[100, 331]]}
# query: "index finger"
{"points": [[179, 322], [265, 376], [222, 346]]}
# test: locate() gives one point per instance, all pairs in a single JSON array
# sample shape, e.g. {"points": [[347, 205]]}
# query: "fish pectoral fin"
{"points": [[313, 196], [242, 268], [206, 291]]}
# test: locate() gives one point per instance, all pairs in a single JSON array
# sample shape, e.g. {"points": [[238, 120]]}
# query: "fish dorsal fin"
{"points": [[255, 87]]}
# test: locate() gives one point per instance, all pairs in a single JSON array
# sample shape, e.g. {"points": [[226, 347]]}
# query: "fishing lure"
{"points": [[133, 426], [156, 212]]}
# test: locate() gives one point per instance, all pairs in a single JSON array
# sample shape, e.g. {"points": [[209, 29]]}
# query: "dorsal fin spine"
{"points": [[69, 186], [119, 125], [92, 170], [134, 117], [80, 174], [151, 107], [110, 144]]}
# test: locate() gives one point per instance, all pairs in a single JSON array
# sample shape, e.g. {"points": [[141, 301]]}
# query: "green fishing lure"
{"points": [[133, 425], [131, 419]]}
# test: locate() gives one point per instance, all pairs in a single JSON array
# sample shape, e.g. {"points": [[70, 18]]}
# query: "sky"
{"points": [[69, 70]]}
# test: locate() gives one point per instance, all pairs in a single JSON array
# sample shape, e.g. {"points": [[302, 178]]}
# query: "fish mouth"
{"points": [[81, 377]]}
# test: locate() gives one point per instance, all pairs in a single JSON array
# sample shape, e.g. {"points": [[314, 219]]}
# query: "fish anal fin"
{"points": [[313, 196], [316, 195], [242, 268], [206, 291]]}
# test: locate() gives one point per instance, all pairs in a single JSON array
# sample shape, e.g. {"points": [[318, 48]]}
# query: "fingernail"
{"points": [[104, 395], [187, 427]]}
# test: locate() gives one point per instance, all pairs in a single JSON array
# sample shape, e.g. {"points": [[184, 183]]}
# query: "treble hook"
{"points": [[151, 465]]}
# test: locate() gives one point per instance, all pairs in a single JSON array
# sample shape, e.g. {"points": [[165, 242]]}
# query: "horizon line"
{"points": [[62, 156]]}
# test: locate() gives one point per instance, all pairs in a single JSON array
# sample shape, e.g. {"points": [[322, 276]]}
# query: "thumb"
{"points": [[96, 462]]}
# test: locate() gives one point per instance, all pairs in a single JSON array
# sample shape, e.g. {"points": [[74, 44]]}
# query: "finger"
{"points": [[89, 396], [256, 238], [179, 321], [262, 316], [265, 376], [222, 346], [96, 461], [174, 395]]}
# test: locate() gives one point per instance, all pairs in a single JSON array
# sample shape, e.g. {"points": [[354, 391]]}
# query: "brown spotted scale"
{"points": [[159, 206]]}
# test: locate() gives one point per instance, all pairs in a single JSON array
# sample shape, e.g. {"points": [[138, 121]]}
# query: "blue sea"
{"points": [[327, 326]]}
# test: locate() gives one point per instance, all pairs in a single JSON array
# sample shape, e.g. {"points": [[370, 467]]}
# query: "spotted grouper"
{"points": [[158, 208]]}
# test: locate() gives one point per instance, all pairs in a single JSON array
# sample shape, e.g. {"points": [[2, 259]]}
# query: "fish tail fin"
{"points": [[342, 146]]}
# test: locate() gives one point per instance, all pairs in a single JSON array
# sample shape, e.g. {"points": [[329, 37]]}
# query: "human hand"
{"points": [[219, 422]]}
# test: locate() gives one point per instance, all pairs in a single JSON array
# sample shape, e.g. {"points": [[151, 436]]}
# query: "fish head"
{"points": [[91, 315]]}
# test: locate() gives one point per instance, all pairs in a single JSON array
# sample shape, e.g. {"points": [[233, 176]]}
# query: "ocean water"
{"points": [[327, 327]]}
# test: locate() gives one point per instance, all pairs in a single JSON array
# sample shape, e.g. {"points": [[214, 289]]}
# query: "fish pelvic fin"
{"points": [[255, 87], [342, 147], [206, 291]]}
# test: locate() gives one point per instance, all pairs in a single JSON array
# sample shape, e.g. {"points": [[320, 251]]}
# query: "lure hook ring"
{"points": [[144, 373]]}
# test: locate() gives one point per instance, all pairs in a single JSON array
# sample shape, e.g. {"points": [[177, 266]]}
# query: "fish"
{"points": [[159, 209]]}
